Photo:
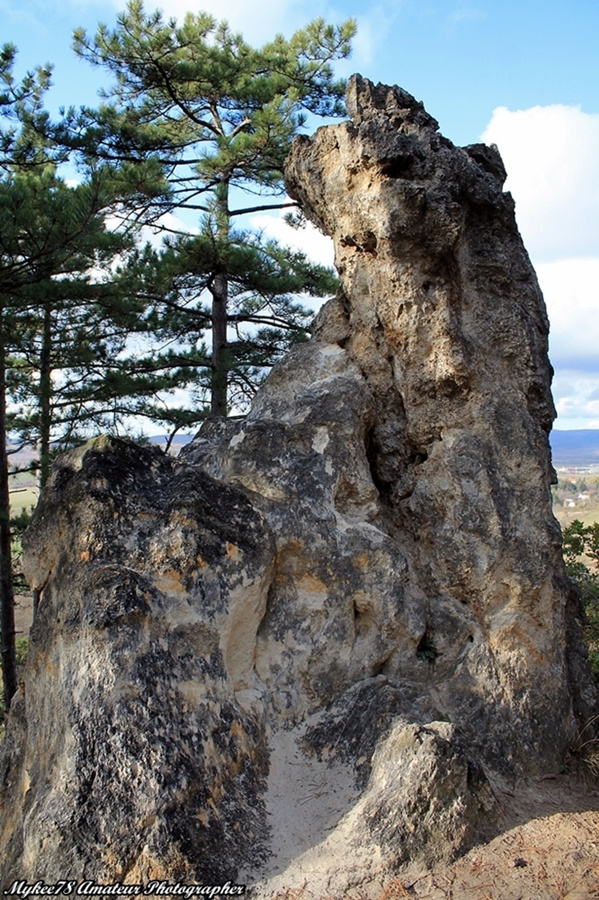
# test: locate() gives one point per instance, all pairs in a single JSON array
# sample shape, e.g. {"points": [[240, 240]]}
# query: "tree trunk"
{"points": [[220, 292], [220, 302], [7, 602], [45, 395]]}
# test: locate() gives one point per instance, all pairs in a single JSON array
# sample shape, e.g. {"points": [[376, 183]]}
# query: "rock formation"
{"points": [[300, 653]]}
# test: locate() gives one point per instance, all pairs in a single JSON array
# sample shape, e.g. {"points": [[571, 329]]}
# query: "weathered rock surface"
{"points": [[133, 757], [296, 654], [441, 310]]}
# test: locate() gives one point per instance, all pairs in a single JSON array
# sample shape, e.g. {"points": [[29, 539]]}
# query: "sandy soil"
{"points": [[549, 850], [552, 856]]}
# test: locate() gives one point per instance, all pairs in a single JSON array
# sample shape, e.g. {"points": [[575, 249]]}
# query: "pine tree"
{"points": [[16, 98], [215, 117], [68, 319], [264, 316], [65, 314]]}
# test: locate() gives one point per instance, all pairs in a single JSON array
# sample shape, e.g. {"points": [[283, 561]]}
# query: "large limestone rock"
{"points": [[441, 311], [298, 654], [128, 754]]}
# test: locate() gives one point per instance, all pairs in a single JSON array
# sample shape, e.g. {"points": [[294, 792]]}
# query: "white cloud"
{"points": [[571, 290], [551, 154], [308, 239], [257, 20], [576, 399], [372, 24]]}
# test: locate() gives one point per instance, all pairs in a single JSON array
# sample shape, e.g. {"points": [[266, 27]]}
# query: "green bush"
{"points": [[581, 554]]}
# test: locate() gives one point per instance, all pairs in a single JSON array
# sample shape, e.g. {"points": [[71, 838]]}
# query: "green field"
{"points": [[23, 492], [587, 514], [24, 498], [576, 496]]}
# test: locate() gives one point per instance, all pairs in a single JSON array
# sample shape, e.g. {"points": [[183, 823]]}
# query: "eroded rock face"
{"points": [[296, 654], [441, 311], [136, 757]]}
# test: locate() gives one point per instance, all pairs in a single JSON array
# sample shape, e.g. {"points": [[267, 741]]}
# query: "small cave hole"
{"points": [[426, 649], [418, 457], [399, 167], [372, 452], [368, 242]]}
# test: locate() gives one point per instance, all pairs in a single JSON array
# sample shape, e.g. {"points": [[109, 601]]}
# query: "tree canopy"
{"points": [[208, 120], [210, 108]]}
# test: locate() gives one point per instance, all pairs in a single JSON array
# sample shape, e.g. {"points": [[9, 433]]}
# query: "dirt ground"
{"points": [[549, 850]]}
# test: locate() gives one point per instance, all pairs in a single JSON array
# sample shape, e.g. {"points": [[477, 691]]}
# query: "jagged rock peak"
{"points": [[365, 101], [393, 106]]}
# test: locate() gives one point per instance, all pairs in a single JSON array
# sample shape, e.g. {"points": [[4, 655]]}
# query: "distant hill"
{"points": [[177, 442], [579, 447], [575, 448], [569, 448]]}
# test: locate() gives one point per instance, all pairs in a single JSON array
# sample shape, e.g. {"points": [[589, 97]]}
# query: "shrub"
{"points": [[581, 555]]}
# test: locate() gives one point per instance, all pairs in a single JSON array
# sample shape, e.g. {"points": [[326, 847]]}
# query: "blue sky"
{"points": [[523, 74]]}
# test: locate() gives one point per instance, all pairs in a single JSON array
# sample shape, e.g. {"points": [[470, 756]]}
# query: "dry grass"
{"points": [[584, 752]]}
